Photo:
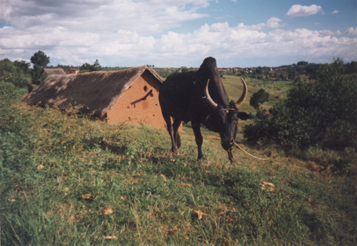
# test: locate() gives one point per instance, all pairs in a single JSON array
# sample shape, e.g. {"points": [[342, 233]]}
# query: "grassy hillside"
{"points": [[276, 89], [68, 180]]}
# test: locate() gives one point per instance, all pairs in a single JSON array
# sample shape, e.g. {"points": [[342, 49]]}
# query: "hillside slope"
{"points": [[69, 180]]}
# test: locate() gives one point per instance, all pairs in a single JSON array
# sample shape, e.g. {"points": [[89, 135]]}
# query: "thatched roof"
{"points": [[53, 71], [98, 91]]}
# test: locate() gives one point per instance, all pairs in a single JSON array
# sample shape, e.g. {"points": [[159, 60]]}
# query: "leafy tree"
{"points": [[302, 63], [86, 67], [351, 67], [184, 69], [40, 59], [291, 75], [95, 67], [10, 73], [22, 65], [323, 113], [36, 74], [259, 70], [259, 98]]}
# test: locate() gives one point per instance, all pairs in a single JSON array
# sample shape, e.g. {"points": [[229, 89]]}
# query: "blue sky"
{"points": [[174, 33]]}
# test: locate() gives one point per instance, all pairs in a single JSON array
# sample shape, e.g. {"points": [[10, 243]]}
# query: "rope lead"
{"points": [[239, 147]]}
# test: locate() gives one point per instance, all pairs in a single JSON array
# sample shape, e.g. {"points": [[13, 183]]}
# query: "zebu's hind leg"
{"points": [[176, 125], [170, 129]]}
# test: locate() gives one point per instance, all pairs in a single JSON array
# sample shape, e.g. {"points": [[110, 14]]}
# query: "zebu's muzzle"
{"points": [[227, 143]]}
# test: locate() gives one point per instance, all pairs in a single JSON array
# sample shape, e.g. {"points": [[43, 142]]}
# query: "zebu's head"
{"points": [[224, 118]]}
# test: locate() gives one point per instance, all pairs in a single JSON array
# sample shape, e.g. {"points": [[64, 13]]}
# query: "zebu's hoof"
{"points": [[175, 152], [230, 156]]}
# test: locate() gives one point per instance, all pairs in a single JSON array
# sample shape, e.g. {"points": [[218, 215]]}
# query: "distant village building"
{"points": [[129, 95], [73, 71], [58, 71]]}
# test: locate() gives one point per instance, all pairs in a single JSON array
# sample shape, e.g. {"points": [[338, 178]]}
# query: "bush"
{"points": [[9, 72], [259, 98], [36, 74], [323, 113]]}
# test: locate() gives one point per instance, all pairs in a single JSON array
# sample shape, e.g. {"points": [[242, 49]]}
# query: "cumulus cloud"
{"points": [[351, 31], [273, 22], [133, 33], [299, 10], [335, 12], [89, 15]]}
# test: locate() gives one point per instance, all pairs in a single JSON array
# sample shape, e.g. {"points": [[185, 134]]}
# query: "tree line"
{"points": [[322, 113], [286, 72]]}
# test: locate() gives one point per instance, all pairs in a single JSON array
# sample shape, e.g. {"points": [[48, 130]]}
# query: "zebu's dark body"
{"points": [[183, 97]]}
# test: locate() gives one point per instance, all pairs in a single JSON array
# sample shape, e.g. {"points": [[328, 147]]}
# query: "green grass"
{"points": [[59, 171]]}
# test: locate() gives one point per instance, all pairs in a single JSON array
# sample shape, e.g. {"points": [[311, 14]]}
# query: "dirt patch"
{"points": [[214, 137]]}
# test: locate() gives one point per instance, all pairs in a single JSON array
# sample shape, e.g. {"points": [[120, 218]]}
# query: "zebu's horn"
{"points": [[244, 94], [208, 96]]}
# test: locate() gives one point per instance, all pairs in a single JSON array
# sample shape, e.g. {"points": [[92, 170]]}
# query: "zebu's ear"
{"points": [[244, 116]]}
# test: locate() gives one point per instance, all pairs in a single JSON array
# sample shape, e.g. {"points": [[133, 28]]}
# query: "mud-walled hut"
{"points": [[58, 71], [129, 95]]}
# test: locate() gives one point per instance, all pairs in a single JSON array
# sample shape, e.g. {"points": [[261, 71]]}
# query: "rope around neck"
{"points": [[227, 109], [239, 147]]}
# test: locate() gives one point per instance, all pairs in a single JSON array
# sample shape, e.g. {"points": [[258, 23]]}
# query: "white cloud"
{"points": [[105, 15], [299, 10], [134, 33], [351, 31], [5, 11], [335, 12], [130, 48], [273, 22]]}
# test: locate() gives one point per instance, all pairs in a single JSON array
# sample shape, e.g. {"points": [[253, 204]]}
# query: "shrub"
{"points": [[323, 113], [12, 74], [36, 74], [259, 98]]}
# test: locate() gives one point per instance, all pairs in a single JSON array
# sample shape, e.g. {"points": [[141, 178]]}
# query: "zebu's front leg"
{"points": [[198, 137]]}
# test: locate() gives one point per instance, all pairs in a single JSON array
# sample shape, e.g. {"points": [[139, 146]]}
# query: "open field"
{"points": [[234, 89], [68, 180]]}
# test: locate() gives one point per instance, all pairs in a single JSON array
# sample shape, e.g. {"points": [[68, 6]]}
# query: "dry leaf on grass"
{"points": [[171, 232], [268, 186], [87, 196], [200, 214], [185, 184], [106, 211], [110, 237], [40, 166], [163, 177]]}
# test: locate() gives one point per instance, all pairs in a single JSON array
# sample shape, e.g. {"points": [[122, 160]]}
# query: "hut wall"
{"points": [[145, 111]]}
